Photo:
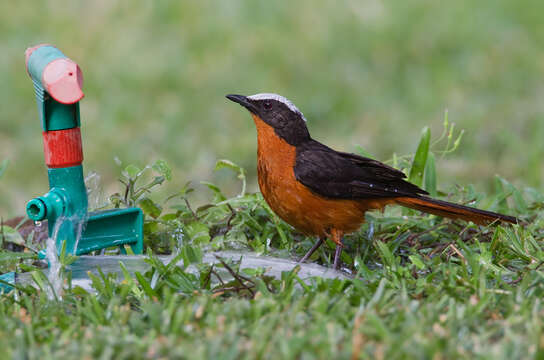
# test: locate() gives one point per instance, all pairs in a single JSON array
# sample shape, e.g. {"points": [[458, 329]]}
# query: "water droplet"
{"points": [[95, 195], [53, 274]]}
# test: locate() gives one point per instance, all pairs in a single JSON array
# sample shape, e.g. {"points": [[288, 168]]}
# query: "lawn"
{"points": [[420, 286], [369, 76]]}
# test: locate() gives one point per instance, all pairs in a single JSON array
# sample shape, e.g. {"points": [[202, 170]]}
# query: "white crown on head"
{"points": [[270, 96]]}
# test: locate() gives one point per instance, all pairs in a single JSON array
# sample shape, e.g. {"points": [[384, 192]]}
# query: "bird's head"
{"points": [[278, 112]]}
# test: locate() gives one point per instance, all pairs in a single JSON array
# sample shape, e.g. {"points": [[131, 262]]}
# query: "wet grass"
{"points": [[422, 287]]}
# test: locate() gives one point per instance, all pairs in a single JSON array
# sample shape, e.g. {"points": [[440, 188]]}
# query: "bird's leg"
{"points": [[317, 244], [337, 253], [336, 237]]}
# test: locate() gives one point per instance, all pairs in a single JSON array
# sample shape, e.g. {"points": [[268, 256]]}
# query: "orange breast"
{"points": [[294, 202]]}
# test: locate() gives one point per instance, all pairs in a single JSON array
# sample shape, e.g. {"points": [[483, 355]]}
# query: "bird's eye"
{"points": [[267, 105]]}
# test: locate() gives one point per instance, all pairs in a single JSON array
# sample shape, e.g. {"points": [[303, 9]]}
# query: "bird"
{"points": [[325, 193]]}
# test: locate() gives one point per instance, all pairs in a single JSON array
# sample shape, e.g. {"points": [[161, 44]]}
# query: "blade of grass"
{"points": [[430, 175], [420, 159]]}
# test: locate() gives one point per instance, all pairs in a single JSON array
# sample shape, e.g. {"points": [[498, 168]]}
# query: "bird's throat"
{"points": [[273, 153]]}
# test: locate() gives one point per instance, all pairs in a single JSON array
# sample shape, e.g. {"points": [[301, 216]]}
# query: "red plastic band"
{"points": [[62, 148]]}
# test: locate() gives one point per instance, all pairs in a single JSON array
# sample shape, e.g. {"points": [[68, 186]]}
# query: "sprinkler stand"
{"points": [[57, 82]]}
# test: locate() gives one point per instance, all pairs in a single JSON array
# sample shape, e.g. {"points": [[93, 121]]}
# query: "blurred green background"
{"points": [[363, 72]]}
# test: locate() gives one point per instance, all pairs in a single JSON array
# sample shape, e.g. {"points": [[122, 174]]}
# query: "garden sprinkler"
{"points": [[57, 82]]}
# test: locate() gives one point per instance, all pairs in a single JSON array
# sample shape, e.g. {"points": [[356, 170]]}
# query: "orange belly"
{"points": [[294, 202]]}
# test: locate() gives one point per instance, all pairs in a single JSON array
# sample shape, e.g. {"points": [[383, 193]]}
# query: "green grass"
{"points": [[455, 310], [422, 287], [370, 73]]}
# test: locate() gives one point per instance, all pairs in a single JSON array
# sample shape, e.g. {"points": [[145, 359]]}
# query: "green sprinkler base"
{"points": [[5, 281], [110, 228]]}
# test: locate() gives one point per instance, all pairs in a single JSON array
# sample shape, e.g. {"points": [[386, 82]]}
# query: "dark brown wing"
{"points": [[341, 175]]}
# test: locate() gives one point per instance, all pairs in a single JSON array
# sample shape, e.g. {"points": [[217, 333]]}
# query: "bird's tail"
{"points": [[454, 211]]}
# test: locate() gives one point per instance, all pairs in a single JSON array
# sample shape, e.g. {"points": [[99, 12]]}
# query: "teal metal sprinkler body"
{"points": [[57, 82]]}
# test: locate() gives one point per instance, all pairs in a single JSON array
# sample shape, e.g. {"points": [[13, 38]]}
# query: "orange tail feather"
{"points": [[454, 211]]}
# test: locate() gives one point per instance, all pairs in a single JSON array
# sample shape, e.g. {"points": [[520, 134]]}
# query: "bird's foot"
{"points": [[336, 264], [318, 243]]}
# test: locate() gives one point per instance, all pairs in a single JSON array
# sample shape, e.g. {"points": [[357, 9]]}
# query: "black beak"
{"points": [[244, 101]]}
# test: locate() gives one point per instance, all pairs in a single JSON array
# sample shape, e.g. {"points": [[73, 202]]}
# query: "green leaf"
{"points": [[3, 167], [146, 286], [420, 159], [511, 190], [416, 260], [132, 171], [430, 175], [216, 190], [7, 256], [227, 164], [385, 253], [223, 163], [169, 217], [149, 207], [151, 227], [11, 235], [66, 258], [128, 249], [10, 261], [183, 282], [501, 193], [163, 168], [126, 273], [97, 283], [191, 254], [197, 232]]}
